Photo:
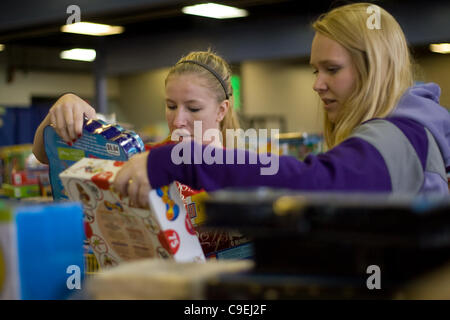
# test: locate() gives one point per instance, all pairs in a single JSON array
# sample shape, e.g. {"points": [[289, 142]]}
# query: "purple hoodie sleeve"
{"points": [[354, 165]]}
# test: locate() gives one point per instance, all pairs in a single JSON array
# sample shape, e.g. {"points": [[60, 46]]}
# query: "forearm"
{"points": [[38, 143], [250, 172], [340, 169]]}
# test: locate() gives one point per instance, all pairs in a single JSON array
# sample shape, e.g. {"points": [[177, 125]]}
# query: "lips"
{"points": [[185, 138], [328, 101], [180, 134]]}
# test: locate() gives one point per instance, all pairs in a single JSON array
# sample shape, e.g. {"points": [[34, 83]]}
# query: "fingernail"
{"points": [[69, 143], [74, 140], [79, 136]]}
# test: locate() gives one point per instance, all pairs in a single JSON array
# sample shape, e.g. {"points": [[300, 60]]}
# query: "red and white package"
{"points": [[118, 232], [216, 243]]}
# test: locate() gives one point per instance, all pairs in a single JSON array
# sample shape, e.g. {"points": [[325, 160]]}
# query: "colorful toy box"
{"points": [[118, 232], [111, 142], [300, 145], [99, 140], [22, 174], [216, 244], [41, 250]]}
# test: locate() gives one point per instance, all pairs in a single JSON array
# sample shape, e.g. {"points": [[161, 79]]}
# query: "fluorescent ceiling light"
{"points": [[93, 29], [78, 54], [440, 47], [213, 10]]}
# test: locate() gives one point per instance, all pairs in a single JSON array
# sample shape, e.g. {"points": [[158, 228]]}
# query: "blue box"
{"points": [[41, 250], [99, 140]]}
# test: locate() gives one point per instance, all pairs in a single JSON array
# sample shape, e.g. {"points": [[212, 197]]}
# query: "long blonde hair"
{"points": [[382, 60], [223, 70]]}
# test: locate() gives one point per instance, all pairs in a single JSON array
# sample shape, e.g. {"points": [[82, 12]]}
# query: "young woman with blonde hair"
{"points": [[381, 61], [214, 75], [385, 134], [197, 88]]}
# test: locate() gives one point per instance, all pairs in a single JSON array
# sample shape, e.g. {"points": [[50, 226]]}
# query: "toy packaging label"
{"points": [[99, 140], [192, 199], [224, 244], [118, 232], [216, 244]]}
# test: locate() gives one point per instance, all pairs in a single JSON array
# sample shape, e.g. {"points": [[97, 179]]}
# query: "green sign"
{"points": [[236, 84], [70, 154]]}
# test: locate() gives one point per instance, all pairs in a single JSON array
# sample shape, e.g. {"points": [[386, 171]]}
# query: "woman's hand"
{"points": [[66, 116], [132, 180]]}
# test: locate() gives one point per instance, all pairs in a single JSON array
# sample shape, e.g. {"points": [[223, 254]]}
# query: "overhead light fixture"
{"points": [[78, 54], [440, 47], [2, 47], [214, 10], [93, 29]]}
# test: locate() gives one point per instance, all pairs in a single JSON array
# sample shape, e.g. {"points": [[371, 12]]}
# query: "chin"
{"points": [[331, 117]]}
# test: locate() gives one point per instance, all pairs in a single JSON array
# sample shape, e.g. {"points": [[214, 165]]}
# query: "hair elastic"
{"points": [[210, 70]]}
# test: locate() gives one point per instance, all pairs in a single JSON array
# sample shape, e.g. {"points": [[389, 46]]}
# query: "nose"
{"points": [[180, 119], [320, 84]]}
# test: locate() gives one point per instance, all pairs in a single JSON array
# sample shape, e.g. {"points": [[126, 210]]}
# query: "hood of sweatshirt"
{"points": [[421, 104]]}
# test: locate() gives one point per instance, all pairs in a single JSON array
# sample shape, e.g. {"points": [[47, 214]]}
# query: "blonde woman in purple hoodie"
{"points": [[384, 133]]}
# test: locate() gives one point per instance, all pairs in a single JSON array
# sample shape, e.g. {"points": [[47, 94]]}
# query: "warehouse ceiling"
{"points": [[148, 20], [30, 30]]}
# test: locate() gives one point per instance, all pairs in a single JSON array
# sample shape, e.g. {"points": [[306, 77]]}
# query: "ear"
{"points": [[223, 109]]}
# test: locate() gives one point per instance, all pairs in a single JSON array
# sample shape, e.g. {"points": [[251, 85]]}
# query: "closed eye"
{"points": [[333, 70], [171, 107], [194, 109]]}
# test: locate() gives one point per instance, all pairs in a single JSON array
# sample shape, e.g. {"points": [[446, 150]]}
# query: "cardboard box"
{"points": [[118, 232], [20, 171], [20, 178], [24, 191], [161, 279], [14, 158]]}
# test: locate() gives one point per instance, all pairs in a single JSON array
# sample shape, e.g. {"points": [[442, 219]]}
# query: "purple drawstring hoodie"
{"points": [[421, 104], [407, 152]]}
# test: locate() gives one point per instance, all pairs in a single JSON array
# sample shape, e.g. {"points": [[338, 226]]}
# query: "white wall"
{"points": [[267, 87], [25, 85], [436, 68], [275, 87], [282, 88], [142, 98]]}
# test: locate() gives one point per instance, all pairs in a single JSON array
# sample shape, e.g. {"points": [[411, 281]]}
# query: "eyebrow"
{"points": [[188, 101], [322, 62]]}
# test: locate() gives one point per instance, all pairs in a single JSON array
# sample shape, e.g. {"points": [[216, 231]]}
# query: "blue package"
{"points": [[44, 251], [127, 143], [97, 141], [110, 131]]}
